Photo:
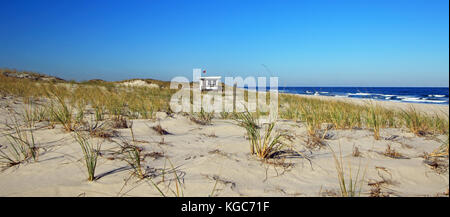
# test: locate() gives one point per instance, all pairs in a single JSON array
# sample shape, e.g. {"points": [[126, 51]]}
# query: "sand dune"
{"points": [[218, 155]]}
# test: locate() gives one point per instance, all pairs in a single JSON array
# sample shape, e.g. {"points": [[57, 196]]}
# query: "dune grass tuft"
{"points": [[374, 119], [348, 185], [263, 142], [415, 121], [21, 146], [134, 158], [202, 117], [90, 154], [62, 112]]}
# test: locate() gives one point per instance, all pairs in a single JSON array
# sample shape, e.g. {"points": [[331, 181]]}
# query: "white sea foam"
{"points": [[388, 96], [361, 94], [415, 99], [437, 95]]}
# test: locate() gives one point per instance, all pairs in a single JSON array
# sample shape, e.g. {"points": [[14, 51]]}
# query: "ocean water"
{"points": [[433, 95]]}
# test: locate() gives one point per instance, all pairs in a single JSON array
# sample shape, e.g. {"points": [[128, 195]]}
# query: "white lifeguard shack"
{"points": [[209, 83]]}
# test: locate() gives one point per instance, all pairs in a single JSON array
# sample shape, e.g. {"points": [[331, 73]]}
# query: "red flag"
{"points": [[204, 71]]}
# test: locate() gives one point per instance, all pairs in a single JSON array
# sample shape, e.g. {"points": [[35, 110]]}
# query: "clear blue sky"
{"points": [[305, 43]]}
